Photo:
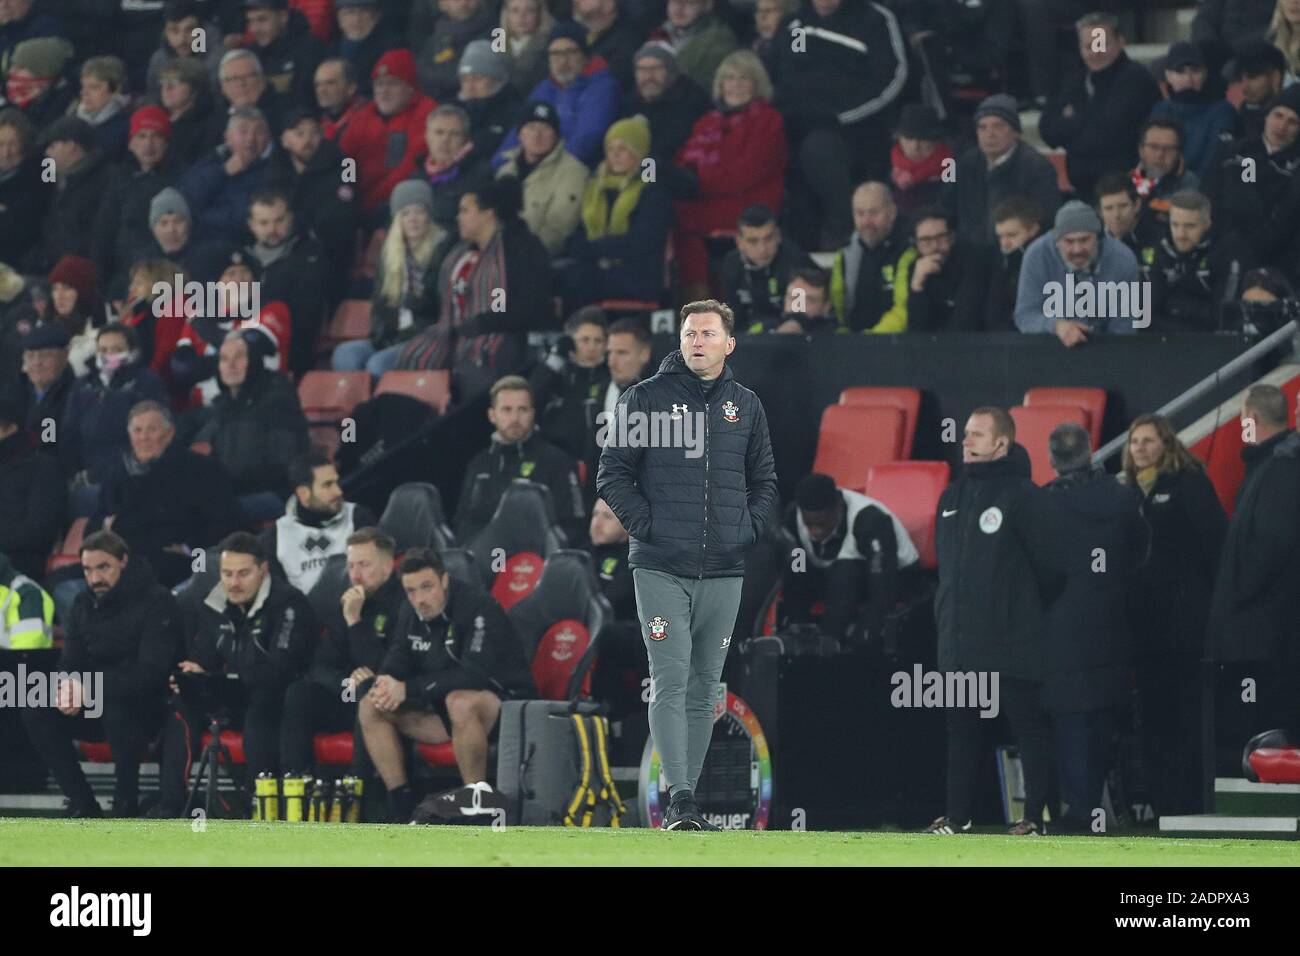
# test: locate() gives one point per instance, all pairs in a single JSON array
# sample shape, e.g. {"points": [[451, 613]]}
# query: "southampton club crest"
{"points": [[730, 411], [658, 628]]}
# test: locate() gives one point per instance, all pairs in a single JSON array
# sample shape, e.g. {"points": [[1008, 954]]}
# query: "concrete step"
{"points": [[1234, 796], [1204, 824]]}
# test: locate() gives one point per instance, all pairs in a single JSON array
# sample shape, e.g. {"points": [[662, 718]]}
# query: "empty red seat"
{"points": [[1034, 426], [234, 741], [1276, 764], [331, 396], [853, 438], [68, 551], [911, 490], [906, 400], [351, 321], [518, 578], [431, 387], [558, 655], [1091, 401]]}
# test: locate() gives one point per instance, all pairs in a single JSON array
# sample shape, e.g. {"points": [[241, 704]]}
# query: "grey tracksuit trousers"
{"points": [[686, 624]]}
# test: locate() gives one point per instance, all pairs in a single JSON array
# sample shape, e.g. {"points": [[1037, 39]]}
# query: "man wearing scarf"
{"points": [[451, 166]]}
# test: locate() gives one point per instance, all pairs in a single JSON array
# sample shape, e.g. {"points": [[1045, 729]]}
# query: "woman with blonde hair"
{"points": [[1284, 33], [528, 28], [1169, 607]]}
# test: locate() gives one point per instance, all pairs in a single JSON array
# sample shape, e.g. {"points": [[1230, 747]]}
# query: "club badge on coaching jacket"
{"points": [[991, 520], [658, 628], [730, 411]]}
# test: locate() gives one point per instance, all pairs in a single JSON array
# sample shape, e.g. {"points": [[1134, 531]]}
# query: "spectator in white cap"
{"points": [[1077, 281], [486, 95]]}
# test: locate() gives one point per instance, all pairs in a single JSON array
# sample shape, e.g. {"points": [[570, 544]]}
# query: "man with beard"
{"points": [[948, 280]]}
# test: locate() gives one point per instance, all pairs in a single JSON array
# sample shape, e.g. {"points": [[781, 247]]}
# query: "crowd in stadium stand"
{"points": [[189, 189]]}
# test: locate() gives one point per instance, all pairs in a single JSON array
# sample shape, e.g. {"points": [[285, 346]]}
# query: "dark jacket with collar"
{"points": [[469, 174], [1188, 289], [1025, 173], [33, 503], [219, 202], [53, 405], [1264, 211], [481, 637], [94, 422], [859, 309], [568, 402], [758, 294], [692, 517], [122, 225], [490, 119], [268, 644], [321, 204], [956, 298], [23, 201], [491, 471], [290, 61], [300, 279], [616, 578], [672, 117], [999, 569], [1257, 594], [345, 647], [70, 220]]}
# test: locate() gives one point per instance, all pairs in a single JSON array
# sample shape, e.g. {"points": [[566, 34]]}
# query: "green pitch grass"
{"points": [[33, 842]]}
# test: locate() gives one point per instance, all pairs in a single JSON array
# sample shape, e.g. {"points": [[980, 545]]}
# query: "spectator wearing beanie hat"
{"points": [[42, 388], [486, 95], [122, 226], [671, 102], [554, 180], [393, 121], [618, 253], [80, 177], [1078, 248], [34, 80], [76, 305], [918, 159], [582, 90], [25, 22], [998, 167], [439, 56], [365, 34]]}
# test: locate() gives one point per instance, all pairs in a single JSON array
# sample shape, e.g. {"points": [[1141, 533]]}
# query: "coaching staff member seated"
{"points": [[691, 520], [127, 627], [996, 566], [454, 656], [254, 626]]}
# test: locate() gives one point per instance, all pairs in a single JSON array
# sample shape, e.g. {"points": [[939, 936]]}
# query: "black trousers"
{"points": [[1083, 754], [831, 161], [128, 722], [310, 709], [1169, 707]]}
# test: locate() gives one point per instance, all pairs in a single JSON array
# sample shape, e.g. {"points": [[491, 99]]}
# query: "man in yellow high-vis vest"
{"points": [[27, 618]]}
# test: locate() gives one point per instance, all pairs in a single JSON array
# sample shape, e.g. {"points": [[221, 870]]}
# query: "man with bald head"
{"points": [[863, 292]]}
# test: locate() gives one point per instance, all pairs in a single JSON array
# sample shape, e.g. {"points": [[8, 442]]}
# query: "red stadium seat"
{"points": [[331, 396], [335, 750], [431, 387], [438, 755], [1276, 764], [558, 655], [351, 321], [911, 490], [68, 551], [1057, 159], [907, 400], [1034, 425], [853, 439], [1091, 401], [517, 580], [233, 740]]}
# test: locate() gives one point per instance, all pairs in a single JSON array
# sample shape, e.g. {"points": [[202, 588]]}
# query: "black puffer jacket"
{"points": [[269, 643], [692, 517], [998, 569], [345, 647]]}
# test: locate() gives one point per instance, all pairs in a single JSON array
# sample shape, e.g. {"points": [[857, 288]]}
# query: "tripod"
{"points": [[209, 765]]}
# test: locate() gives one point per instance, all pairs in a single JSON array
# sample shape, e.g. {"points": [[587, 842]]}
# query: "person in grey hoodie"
{"points": [[1076, 281]]}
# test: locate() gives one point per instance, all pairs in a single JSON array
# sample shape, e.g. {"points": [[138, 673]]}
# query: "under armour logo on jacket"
{"points": [[318, 543]]}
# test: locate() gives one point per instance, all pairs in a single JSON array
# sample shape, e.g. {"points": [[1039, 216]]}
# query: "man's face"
{"points": [[605, 526], [512, 414], [44, 366], [368, 567], [477, 86], [874, 213], [392, 95], [331, 91], [471, 221], [232, 362], [459, 9], [1078, 249], [95, 93], [1185, 78], [22, 86], [767, 17], [427, 592], [11, 10], [102, 571], [172, 232], [1258, 88], [589, 345], [1119, 213], [355, 23], [682, 13], [566, 60], [150, 435], [11, 149], [65, 154], [241, 576], [302, 141], [705, 343], [934, 238], [1099, 47], [325, 494], [979, 443], [758, 244], [805, 299], [242, 83], [148, 147], [270, 223], [247, 138], [1187, 227], [1281, 126], [651, 76], [995, 136], [177, 95], [916, 149], [266, 25], [110, 344], [822, 524], [537, 140], [180, 35], [1159, 152], [626, 357], [445, 136], [1014, 233], [826, 8], [584, 10]]}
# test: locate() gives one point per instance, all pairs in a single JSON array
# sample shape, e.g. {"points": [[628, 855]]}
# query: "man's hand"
{"points": [[925, 267], [388, 693], [1068, 111], [361, 674], [69, 697], [1071, 333], [790, 327], [190, 667], [352, 600], [236, 164], [178, 549]]}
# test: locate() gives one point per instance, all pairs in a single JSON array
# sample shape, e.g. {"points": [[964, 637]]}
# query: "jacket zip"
{"points": [[705, 541]]}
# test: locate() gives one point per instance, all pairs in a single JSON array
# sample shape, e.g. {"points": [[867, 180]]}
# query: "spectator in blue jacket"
{"points": [[220, 187], [582, 90], [1206, 118]]}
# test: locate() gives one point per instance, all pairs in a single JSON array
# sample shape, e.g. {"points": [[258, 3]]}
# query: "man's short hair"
{"points": [[1107, 21], [1268, 404], [1113, 183], [302, 469], [241, 542], [816, 493], [1017, 207], [635, 328], [755, 217], [269, 197], [1192, 200], [509, 383], [450, 109], [247, 113], [231, 56], [705, 306], [1164, 122], [587, 315], [345, 65], [933, 212], [107, 68], [117, 328], [1004, 426], [107, 542], [147, 406], [1069, 447], [417, 559], [375, 536], [813, 276]]}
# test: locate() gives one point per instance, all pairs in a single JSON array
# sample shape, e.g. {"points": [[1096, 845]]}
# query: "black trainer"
{"points": [[683, 813]]}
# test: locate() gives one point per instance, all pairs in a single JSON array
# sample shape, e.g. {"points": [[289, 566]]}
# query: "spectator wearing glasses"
{"points": [[948, 281]]}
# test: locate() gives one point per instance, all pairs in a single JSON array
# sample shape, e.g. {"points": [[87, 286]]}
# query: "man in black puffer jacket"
{"points": [[997, 567], [693, 505]]}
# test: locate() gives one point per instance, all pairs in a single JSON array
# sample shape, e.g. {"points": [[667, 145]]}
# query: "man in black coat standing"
{"points": [[693, 505], [33, 498], [1253, 619], [1103, 539], [998, 567]]}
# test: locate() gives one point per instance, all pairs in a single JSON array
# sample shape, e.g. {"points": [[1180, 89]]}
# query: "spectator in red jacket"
{"points": [[735, 157], [337, 96], [394, 121]]}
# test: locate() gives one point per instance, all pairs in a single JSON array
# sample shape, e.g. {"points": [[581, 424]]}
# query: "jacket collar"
{"points": [[218, 601]]}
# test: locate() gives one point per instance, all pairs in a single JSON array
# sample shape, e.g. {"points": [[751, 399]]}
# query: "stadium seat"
{"points": [[331, 396], [560, 624], [911, 490], [335, 750], [414, 518], [1034, 425], [68, 551], [1091, 401], [351, 321], [1276, 764], [461, 565], [852, 439], [431, 387], [1057, 159], [329, 587], [518, 578], [233, 740], [523, 522], [98, 751], [907, 400]]}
